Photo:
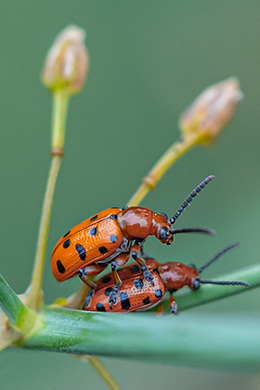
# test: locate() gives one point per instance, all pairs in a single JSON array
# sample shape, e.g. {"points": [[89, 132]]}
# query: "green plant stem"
{"points": [[59, 117], [203, 341], [103, 372], [35, 290], [60, 107], [172, 154], [21, 318]]}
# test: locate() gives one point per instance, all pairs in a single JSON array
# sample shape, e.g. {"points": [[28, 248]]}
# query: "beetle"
{"points": [[113, 236], [137, 294]]}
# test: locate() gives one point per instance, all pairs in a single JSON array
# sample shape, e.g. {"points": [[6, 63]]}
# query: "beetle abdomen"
{"points": [[135, 292]]}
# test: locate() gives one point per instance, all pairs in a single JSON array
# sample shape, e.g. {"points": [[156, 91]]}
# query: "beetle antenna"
{"points": [[210, 232], [217, 256], [189, 199], [226, 283]]}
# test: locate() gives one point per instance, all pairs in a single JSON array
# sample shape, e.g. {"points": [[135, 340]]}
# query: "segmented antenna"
{"points": [[217, 256], [222, 282], [189, 199], [210, 232]]}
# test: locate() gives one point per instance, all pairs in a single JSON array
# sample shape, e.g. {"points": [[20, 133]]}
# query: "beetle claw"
{"points": [[173, 307], [89, 297], [113, 297]]}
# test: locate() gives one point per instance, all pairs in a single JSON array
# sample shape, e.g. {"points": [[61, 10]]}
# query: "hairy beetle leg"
{"points": [[83, 277], [118, 283], [147, 274], [89, 283], [134, 252]]}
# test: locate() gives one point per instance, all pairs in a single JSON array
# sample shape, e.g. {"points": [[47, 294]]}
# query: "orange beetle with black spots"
{"points": [[112, 237], [137, 294]]}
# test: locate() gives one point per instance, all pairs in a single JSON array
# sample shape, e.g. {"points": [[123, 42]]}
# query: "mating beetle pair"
{"points": [[137, 294], [112, 237]]}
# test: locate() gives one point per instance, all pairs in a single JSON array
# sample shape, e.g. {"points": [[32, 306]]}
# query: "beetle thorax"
{"points": [[135, 222], [176, 275]]}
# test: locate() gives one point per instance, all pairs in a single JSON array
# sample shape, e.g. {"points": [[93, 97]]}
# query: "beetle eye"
{"points": [[192, 265], [164, 215], [163, 234], [196, 284]]}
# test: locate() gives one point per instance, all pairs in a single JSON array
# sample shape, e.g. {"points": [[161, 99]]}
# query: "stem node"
{"points": [[57, 151]]}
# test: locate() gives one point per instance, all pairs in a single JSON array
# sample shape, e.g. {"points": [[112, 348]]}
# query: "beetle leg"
{"points": [[141, 245], [173, 305], [159, 310], [89, 283], [134, 253], [118, 282]]}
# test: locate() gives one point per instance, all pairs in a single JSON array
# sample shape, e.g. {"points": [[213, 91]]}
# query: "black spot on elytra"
{"points": [[156, 270], [93, 218], [65, 235], [124, 299], [113, 216], [100, 307], [81, 251], [138, 283], [135, 268], [158, 293], [106, 279], [93, 231], [60, 267], [102, 249], [113, 238], [66, 244], [108, 291], [146, 301]]}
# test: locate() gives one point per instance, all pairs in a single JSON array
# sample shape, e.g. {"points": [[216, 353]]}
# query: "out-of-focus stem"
{"points": [[163, 164], [60, 109], [103, 372]]}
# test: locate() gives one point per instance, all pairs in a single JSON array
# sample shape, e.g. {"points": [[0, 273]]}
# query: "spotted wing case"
{"points": [[92, 240], [135, 292]]}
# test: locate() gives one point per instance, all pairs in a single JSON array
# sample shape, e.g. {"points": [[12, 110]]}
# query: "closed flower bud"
{"points": [[67, 61], [211, 111]]}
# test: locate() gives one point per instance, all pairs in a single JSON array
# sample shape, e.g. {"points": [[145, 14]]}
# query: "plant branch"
{"points": [[21, 318], [36, 283], [61, 98], [174, 152], [103, 372], [182, 340]]}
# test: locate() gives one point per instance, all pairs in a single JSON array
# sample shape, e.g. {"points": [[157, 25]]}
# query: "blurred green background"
{"points": [[149, 60]]}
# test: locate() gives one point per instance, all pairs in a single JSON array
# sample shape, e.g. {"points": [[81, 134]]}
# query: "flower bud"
{"points": [[211, 111], [67, 61]]}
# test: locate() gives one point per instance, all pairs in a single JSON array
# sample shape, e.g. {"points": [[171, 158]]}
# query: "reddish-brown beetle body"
{"points": [[137, 294], [99, 240], [108, 238]]}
